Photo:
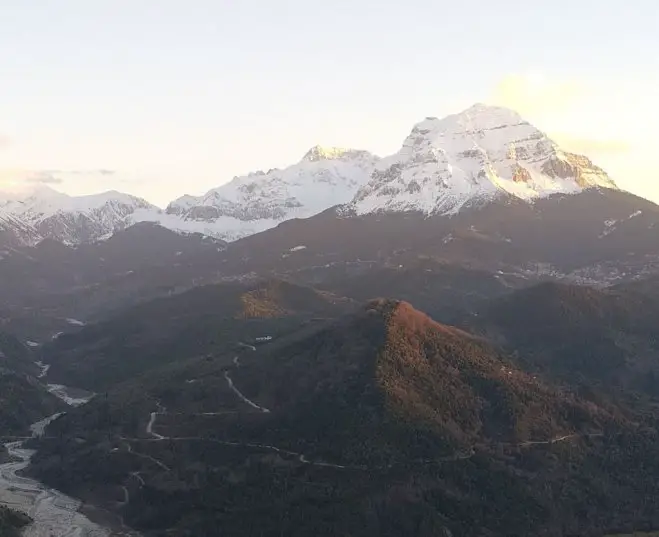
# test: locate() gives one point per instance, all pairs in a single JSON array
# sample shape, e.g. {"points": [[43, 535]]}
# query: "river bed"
{"points": [[54, 514]]}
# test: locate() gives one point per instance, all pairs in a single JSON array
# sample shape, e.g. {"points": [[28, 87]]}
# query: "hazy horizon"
{"points": [[180, 98]]}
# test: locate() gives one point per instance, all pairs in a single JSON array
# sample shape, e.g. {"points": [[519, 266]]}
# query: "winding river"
{"points": [[54, 514]]}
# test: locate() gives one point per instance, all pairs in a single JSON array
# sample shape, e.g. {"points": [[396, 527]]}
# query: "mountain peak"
{"points": [[490, 110], [319, 152], [478, 117], [398, 314], [474, 156], [486, 116], [49, 213]]}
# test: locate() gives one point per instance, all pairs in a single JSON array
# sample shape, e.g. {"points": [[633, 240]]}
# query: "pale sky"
{"points": [[165, 97]]}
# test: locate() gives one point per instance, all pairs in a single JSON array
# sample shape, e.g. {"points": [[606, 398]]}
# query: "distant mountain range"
{"points": [[480, 155]]}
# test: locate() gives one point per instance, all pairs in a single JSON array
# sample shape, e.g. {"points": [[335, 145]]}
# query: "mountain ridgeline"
{"points": [[478, 155], [601, 340], [201, 321]]}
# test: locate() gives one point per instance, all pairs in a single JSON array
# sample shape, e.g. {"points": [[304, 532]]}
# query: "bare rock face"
{"points": [[521, 175], [576, 167]]}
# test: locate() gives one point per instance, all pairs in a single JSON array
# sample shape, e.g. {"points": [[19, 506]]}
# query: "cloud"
{"points": [[43, 178], [592, 145], [54, 177], [19, 178], [535, 93], [71, 181], [610, 119], [5, 141], [575, 113], [16, 180], [100, 171]]}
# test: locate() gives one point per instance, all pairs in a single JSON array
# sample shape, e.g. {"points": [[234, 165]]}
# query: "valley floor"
{"points": [[53, 513]]}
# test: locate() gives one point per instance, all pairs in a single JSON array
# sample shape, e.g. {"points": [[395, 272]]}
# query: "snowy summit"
{"points": [[474, 156], [41, 212], [325, 177]]}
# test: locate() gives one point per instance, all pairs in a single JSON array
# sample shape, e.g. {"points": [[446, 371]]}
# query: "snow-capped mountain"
{"points": [[470, 158], [473, 157], [41, 212], [325, 177]]}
